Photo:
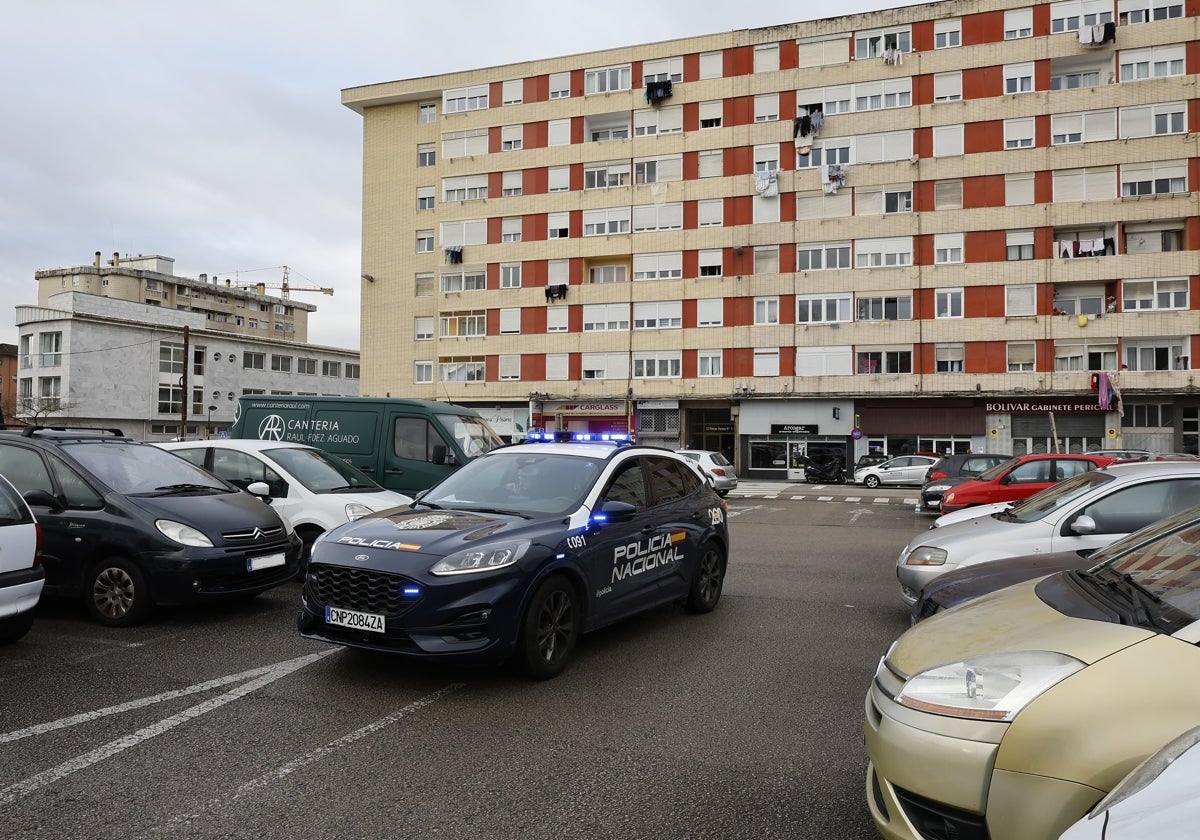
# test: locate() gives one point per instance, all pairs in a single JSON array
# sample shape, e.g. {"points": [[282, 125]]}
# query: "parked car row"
{"points": [[1047, 685]]}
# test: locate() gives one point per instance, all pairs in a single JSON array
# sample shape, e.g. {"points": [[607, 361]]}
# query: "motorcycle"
{"points": [[827, 473]]}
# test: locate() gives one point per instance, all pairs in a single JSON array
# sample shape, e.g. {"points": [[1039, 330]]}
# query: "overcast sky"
{"points": [[213, 132]]}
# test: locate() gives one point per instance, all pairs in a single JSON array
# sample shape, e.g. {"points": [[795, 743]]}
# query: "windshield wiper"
{"points": [[167, 489], [500, 512], [1138, 596]]}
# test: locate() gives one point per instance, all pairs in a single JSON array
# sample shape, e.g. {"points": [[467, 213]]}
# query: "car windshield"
{"points": [[321, 472], [1165, 570], [525, 483], [472, 434], [998, 470], [1054, 497], [133, 468]]}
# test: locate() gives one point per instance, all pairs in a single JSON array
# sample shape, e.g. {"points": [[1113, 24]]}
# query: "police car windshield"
{"points": [[526, 483], [472, 434]]}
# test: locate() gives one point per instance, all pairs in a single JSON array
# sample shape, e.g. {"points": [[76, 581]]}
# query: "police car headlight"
{"points": [[483, 559], [991, 687], [354, 511], [926, 555], [182, 534]]}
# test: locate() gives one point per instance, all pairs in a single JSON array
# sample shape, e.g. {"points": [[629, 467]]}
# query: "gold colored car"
{"points": [[1010, 717]]}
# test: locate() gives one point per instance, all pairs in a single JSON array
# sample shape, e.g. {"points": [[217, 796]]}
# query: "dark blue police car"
{"points": [[519, 551]]}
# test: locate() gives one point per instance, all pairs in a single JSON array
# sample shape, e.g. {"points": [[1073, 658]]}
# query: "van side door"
{"points": [[415, 454]]}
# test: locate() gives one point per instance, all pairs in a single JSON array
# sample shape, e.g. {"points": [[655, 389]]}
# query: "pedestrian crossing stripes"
{"points": [[811, 492]]}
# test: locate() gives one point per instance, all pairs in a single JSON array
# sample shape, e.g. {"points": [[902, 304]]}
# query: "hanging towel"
{"points": [[1102, 391]]}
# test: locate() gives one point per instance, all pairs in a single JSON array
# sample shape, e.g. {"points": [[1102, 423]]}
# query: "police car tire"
{"points": [[116, 593], [549, 629], [708, 579]]}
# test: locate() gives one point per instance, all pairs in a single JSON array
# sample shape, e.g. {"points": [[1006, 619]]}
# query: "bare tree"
{"points": [[36, 411]]}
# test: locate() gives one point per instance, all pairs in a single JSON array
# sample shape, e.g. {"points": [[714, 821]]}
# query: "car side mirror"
{"points": [[443, 456], [614, 511], [40, 498], [260, 489], [1083, 524]]}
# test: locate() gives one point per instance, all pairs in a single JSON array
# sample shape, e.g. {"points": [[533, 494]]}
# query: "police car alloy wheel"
{"points": [[550, 628], [708, 580]]}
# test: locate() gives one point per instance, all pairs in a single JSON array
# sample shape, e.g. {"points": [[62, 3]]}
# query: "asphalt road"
{"points": [[223, 723]]}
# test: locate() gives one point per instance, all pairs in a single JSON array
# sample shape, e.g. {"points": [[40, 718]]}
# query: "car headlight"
{"points": [[926, 555], [354, 510], [938, 488], [182, 534], [948, 498], [991, 687], [483, 559]]}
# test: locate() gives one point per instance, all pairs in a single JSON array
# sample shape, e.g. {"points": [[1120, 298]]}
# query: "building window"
{"points": [[766, 311], [426, 154], [710, 212], [423, 328], [425, 198], [663, 365], [1152, 63], [1018, 23], [648, 122], [606, 221], [1069, 15], [947, 87], [353, 371], [558, 179], [424, 242], [556, 319], [661, 266], [558, 225], [512, 137], [883, 361], [1018, 78], [712, 65], [465, 188], [883, 253], [766, 158], [712, 113], [1152, 120], [766, 361], [1087, 127], [254, 361], [462, 324], [423, 285], [1019, 133], [597, 366], [427, 112], [766, 259], [170, 399], [1082, 356], [658, 315], [1018, 188], [614, 273], [710, 312], [947, 33], [603, 175], [657, 169], [308, 367], [281, 364], [1157, 354], [710, 263], [1021, 356], [766, 107], [883, 42], [457, 100], [649, 217], [1147, 179], [708, 363], [558, 132], [605, 317], [947, 248], [607, 79], [1149, 10], [948, 358], [331, 369], [457, 144], [948, 194], [832, 308], [512, 183], [50, 345], [822, 257], [467, 281], [513, 91], [510, 275], [947, 140], [711, 163], [948, 303], [883, 308], [1019, 245], [1162, 293], [509, 367], [560, 85], [766, 58], [423, 373]]}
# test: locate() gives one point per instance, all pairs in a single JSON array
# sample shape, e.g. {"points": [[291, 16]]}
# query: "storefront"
{"points": [[777, 437], [602, 416], [1045, 425], [936, 426]]}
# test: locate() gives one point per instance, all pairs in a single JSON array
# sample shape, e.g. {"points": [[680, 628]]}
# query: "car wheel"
{"points": [[708, 579], [722, 493], [16, 626], [549, 629], [871, 482], [116, 593]]}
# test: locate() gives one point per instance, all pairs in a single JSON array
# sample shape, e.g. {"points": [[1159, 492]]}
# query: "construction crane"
{"points": [[285, 289]]}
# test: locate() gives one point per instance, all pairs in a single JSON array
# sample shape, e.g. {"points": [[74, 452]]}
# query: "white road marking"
{"points": [[265, 676], [295, 764]]}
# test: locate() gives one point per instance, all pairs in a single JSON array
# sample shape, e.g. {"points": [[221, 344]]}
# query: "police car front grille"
{"points": [[360, 589]]}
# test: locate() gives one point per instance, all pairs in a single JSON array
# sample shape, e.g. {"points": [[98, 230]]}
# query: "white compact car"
{"points": [[21, 574], [316, 491]]}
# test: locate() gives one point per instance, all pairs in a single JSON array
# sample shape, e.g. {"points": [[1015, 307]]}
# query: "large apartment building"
{"points": [[946, 226]]}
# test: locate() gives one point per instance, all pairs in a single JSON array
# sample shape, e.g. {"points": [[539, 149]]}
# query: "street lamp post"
{"points": [[211, 409]]}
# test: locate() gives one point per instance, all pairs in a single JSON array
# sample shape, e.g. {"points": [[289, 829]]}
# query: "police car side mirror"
{"points": [[614, 511]]}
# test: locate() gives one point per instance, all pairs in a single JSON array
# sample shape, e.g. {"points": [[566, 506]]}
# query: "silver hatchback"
{"points": [[717, 469]]}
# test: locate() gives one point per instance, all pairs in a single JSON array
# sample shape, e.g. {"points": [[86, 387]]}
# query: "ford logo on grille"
{"points": [[362, 557]]}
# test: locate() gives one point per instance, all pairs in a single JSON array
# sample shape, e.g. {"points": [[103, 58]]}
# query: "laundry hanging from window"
{"points": [[454, 254], [833, 177], [658, 91], [558, 291], [766, 183]]}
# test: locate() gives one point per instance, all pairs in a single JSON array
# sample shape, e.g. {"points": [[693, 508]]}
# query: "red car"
{"points": [[1019, 478]]}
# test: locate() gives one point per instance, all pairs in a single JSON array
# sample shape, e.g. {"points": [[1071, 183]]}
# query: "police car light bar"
{"points": [[577, 437]]}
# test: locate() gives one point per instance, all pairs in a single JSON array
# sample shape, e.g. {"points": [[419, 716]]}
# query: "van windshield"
{"points": [[472, 434]]}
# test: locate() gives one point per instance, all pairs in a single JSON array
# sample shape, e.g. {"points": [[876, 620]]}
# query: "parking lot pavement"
{"points": [[837, 493]]}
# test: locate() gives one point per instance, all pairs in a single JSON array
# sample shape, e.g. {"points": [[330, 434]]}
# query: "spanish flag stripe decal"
{"points": [[409, 546], [678, 537]]}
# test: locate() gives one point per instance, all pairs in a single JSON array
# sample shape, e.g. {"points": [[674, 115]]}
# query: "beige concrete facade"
{"points": [[952, 128]]}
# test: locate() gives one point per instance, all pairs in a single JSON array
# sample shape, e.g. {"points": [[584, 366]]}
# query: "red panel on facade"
{"points": [[738, 361], [691, 68], [691, 166], [983, 302], [789, 58], [536, 89], [535, 181], [922, 304], [691, 267], [533, 227], [983, 28], [983, 191], [496, 187], [575, 224], [533, 274], [577, 89], [1041, 131], [691, 117], [494, 231], [982, 82], [1041, 74], [576, 177], [739, 312], [739, 210], [493, 320], [922, 196], [1043, 249], [495, 94], [689, 356], [922, 36], [983, 137], [577, 128], [691, 217], [1041, 22], [738, 160], [533, 367], [923, 142], [535, 135], [787, 109], [739, 110], [985, 357], [738, 61], [923, 249], [1043, 187], [985, 246], [493, 138], [922, 89]]}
